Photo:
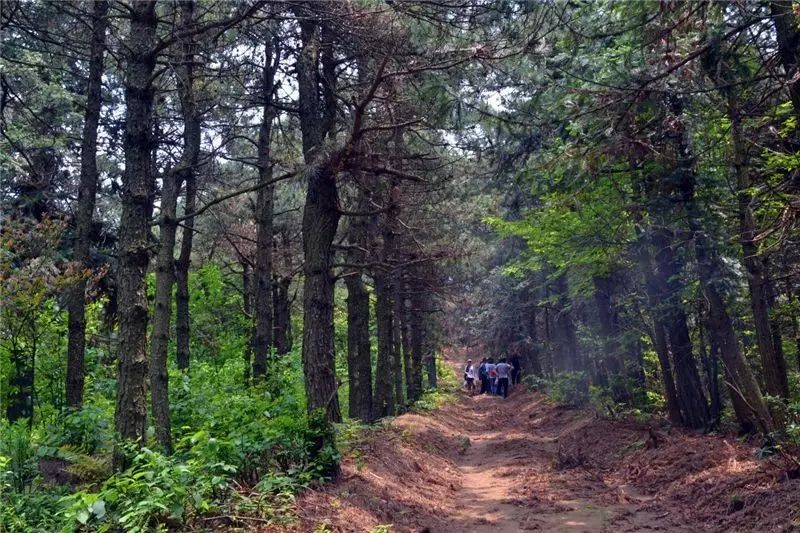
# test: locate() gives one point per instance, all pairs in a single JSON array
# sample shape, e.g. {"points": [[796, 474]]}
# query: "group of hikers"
{"points": [[495, 378]]}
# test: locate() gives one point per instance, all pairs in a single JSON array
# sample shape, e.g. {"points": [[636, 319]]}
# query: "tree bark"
{"points": [[772, 361], [263, 334], [658, 331], [397, 344], [162, 314], [282, 314], [709, 268], [694, 407], [320, 221], [187, 175], [402, 316], [612, 360], [384, 376], [130, 417], [247, 304], [182, 265], [87, 191], [417, 344], [532, 342], [359, 358]]}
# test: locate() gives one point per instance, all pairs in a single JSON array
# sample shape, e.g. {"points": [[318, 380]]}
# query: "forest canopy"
{"points": [[235, 233]]}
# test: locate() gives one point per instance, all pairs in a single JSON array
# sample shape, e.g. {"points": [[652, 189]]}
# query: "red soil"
{"points": [[522, 464]]}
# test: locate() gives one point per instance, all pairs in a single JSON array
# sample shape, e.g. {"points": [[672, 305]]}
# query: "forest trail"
{"points": [[483, 463]]}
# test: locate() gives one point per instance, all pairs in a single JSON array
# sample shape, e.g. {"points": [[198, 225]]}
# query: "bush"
{"points": [[535, 383], [87, 430], [154, 490], [35, 511], [570, 389], [17, 457]]}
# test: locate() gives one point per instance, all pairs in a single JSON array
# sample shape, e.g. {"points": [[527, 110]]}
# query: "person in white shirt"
{"points": [[503, 370], [469, 376]]}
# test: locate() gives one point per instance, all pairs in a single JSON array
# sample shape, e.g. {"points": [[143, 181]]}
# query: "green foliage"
{"points": [[153, 490], [17, 457], [34, 511], [87, 430], [570, 389], [226, 435], [535, 383], [448, 384]]}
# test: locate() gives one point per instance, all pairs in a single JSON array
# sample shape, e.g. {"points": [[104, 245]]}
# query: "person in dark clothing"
{"points": [[483, 376], [492, 376], [516, 370], [503, 370]]}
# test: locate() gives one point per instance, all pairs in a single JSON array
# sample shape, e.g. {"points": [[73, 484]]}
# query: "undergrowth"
{"points": [[237, 450]]}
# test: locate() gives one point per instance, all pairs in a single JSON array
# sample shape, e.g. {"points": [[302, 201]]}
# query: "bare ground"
{"points": [[521, 464]]}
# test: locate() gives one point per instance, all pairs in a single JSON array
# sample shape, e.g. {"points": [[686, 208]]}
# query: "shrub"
{"points": [[87, 430], [154, 490], [535, 383], [26, 512], [570, 389], [17, 456]]}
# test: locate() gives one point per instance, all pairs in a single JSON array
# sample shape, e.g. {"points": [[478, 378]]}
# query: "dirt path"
{"points": [[498, 456], [483, 464]]}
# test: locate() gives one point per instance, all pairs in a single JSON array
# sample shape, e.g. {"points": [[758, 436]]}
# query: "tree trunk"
{"points": [[430, 359], [710, 357], [182, 265], [772, 360], [359, 358], [130, 417], [384, 378], [403, 306], [247, 304], [397, 344], [691, 399], [187, 175], [162, 314], [566, 339], [87, 191], [417, 344], [720, 326], [263, 334], [658, 332], [609, 328], [320, 221], [532, 344], [282, 315]]}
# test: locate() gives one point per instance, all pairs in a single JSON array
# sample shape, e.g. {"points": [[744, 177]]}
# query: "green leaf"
{"points": [[82, 516], [98, 509]]}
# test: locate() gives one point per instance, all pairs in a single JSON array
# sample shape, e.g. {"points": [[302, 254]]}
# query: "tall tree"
{"points": [[320, 213], [130, 417], [87, 193], [263, 334], [359, 356]]}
